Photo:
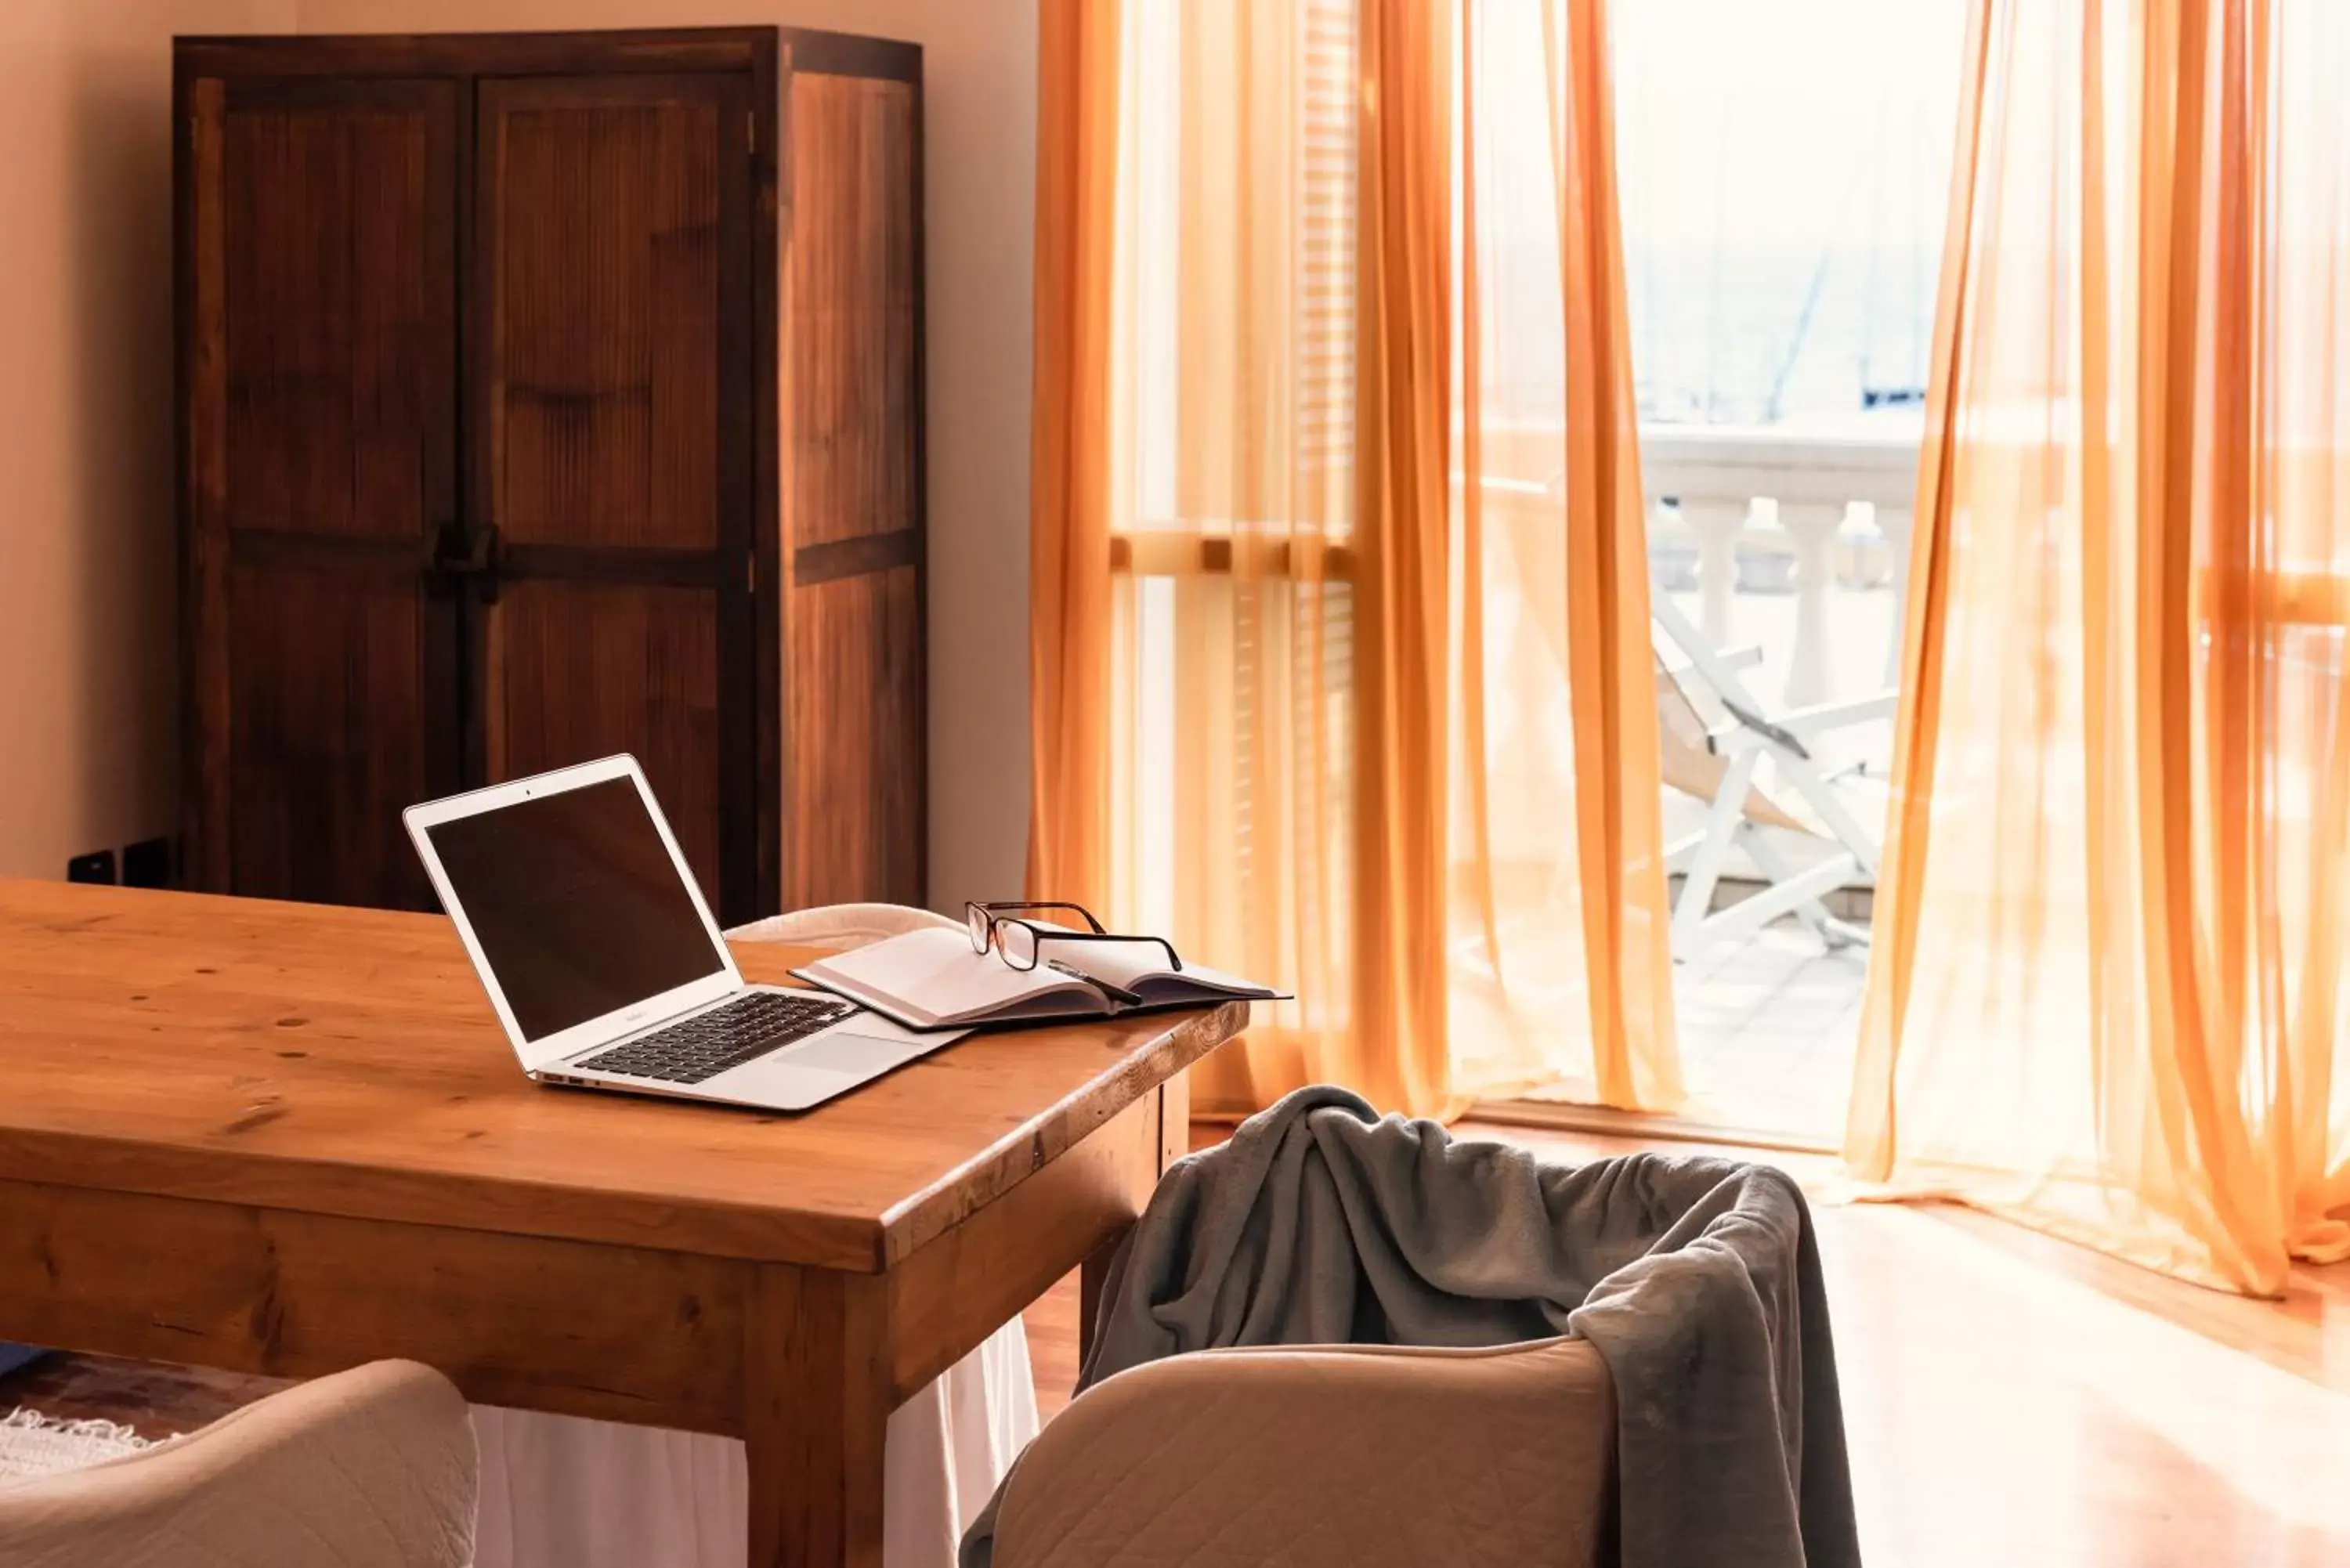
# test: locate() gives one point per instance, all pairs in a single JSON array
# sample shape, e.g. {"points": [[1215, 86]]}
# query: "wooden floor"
{"points": [[2008, 1398]]}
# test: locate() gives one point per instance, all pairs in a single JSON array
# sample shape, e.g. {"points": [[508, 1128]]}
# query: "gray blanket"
{"points": [[1697, 1279]]}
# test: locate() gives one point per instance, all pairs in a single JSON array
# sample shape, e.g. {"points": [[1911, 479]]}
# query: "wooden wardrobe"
{"points": [[542, 397]]}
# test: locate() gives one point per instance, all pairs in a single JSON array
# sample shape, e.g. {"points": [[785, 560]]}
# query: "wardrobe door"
{"points": [[611, 360], [318, 379]]}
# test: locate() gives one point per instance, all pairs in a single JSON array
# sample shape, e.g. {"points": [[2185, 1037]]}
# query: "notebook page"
{"points": [[1134, 964], [933, 973]]}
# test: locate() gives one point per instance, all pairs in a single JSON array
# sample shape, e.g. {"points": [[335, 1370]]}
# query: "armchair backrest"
{"points": [[373, 1467], [1326, 1457]]}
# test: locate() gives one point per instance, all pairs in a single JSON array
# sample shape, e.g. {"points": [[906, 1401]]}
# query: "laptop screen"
{"points": [[575, 903]]}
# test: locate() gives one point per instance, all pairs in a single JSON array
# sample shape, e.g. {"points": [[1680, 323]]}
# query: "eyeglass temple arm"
{"points": [[992, 910], [1173, 957]]}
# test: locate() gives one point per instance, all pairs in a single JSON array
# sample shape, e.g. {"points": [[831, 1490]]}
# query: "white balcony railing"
{"points": [[1780, 515]]}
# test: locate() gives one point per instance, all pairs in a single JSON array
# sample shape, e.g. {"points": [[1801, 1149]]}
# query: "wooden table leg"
{"points": [[815, 1406], [1174, 1142], [1174, 1120], [1093, 1274]]}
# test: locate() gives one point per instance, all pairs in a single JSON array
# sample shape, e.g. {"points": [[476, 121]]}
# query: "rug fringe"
{"points": [[25, 1418]]}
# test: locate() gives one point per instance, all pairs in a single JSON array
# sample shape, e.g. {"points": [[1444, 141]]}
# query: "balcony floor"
{"points": [[1767, 1029]]}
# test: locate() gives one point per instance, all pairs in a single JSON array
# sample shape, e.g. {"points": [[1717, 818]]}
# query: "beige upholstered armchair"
{"points": [[369, 1468], [1338, 1457]]}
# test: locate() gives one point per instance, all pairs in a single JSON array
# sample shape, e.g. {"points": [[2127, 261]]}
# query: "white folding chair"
{"points": [[1716, 735]]}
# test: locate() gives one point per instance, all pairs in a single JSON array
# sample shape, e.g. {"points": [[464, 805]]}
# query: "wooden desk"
{"points": [[283, 1139]]}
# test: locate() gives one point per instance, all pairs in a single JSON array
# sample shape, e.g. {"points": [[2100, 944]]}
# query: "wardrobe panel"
{"points": [[337, 206], [852, 382], [856, 779], [328, 686], [605, 216], [581, 670]]}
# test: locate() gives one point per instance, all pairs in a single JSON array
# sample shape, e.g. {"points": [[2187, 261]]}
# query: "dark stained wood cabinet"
{"points": [[545, 396]]}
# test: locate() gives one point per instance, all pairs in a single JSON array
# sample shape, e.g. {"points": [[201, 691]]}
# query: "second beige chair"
{"points": [[369, 1468], [1337, 1457]]}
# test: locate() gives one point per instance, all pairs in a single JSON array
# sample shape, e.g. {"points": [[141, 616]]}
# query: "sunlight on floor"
{"points": [[2004, 1408]]}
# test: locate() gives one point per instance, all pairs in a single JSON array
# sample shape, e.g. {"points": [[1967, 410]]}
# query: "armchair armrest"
{"points": [[1359, 1455]]}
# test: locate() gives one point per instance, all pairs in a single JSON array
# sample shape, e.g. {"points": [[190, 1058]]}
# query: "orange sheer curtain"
{"points": [[2107, 995], [1393, 1041], [1068, 457], [1562, 959], [1369, 605]]}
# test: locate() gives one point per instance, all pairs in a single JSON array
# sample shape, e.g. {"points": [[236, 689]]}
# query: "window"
{"points": [[1784, 174]]}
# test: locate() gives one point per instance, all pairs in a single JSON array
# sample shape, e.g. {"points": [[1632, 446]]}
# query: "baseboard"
{"points": [[1562, 1117]]}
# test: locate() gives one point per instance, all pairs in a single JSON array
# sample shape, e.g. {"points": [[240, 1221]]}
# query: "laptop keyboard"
{"points": [[707, 1044]]}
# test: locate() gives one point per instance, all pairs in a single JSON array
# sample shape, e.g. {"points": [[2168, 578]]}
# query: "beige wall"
{"points": [[86, 551], [86, 641], [979, 62]]}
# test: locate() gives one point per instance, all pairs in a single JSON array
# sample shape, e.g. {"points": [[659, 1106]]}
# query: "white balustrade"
{"points": [[1717, 521], [1893, 521], [1813, 526], [1787, 508]]}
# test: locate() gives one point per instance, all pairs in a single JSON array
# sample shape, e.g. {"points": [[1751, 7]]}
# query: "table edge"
{"points": [[718, 1227]]}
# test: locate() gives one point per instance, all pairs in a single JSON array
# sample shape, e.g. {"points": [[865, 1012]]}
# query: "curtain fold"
{"points": [[2106, 990], [1618, 792], [1403, 467], [1560, 937], [1378, 713], [1070, 599]]}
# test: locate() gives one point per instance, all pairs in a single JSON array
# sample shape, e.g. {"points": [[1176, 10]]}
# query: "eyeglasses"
{"points": [[1019, 941]]}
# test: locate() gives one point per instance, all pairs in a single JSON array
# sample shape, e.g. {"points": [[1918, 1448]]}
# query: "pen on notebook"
{"points": [[1118, 992]]}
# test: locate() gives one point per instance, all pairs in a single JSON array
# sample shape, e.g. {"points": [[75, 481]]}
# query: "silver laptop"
{"points": [[604, 965]]}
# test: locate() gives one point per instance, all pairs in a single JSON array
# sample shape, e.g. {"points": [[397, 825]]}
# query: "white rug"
{"points": [[33, 1445]]}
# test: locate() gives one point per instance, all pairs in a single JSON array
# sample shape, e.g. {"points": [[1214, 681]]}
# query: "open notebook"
{"points": [[931, 980]]}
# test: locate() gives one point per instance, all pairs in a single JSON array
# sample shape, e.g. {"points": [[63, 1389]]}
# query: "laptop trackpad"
{"points": [[813, 1070], [841, 1051]]}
